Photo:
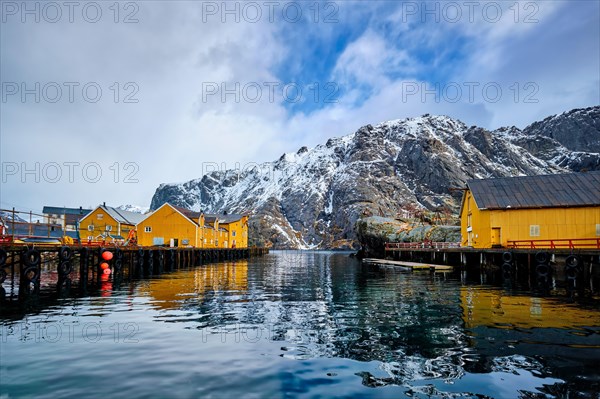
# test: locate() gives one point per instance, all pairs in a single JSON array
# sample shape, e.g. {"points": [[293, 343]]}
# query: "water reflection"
{"points": [[421, 326], [323, 324]]}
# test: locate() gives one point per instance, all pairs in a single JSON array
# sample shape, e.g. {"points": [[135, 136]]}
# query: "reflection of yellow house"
{"points": [[175, 226], [493, 309], [565, 206], [109, 224], [172, 290]]}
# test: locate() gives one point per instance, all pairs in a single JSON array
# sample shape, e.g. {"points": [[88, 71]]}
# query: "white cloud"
{"points": [[171, 53]]}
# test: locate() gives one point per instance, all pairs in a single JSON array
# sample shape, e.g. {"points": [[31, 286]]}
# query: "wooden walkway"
{"points": [[408, 266]]}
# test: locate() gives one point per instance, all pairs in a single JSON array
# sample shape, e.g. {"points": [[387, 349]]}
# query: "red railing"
{"points": [[424, 244], [570, 243]]}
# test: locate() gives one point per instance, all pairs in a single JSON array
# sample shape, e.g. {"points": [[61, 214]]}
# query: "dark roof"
{"points": [[208, 217], [545, 191], [188, 213], [230, 218], [59, 210]]}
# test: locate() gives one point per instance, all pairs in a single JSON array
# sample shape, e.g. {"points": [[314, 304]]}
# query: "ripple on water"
{"points": [[321, 326]]}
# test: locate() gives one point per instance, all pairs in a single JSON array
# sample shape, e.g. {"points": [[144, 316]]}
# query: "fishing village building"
{"points": [[68, 218], [505, 211], [179, 227], [108, 224]]}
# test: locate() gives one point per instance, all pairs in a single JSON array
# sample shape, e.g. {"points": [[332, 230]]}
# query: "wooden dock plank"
{"points": [[407, 265]]}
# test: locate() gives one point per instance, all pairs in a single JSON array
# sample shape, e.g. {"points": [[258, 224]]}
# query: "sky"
{"points": [[103, 101]]}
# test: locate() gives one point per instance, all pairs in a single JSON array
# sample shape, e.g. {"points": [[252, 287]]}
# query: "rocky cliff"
{"points": [[313, 197]]}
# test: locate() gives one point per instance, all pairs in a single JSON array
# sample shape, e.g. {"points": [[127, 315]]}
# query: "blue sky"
{"points": [[343, 64]]}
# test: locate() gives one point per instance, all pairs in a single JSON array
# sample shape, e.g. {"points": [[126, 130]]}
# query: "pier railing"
{"points": [[423, 244], [570, 243]]}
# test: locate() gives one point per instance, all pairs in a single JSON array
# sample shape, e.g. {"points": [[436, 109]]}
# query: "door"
{"points": [[496, 237]]}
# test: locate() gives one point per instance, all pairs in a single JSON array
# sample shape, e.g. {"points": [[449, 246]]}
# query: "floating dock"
{"points": [[408, 266]]}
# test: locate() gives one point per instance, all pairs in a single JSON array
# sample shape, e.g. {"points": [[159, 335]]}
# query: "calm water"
{"points": [[312, 324]]}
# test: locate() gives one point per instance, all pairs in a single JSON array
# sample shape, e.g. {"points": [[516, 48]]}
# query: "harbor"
{"points": [[305, 325]]}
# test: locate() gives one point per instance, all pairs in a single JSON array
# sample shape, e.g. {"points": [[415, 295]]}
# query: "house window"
{"points": [[90, 238], [91, 227], [100, 216], [108, 228], [598, 230], [148, 229], [205, 240], [534, 230], [233, 233]]}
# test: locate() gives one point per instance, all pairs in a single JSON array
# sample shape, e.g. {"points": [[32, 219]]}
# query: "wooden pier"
{"points": [[92, 265], [573, 267]]}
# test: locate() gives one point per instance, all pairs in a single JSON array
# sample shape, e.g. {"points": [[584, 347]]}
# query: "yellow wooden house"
{"points": [[504, 211], [232, 230], [179, 227], [108, 224]]}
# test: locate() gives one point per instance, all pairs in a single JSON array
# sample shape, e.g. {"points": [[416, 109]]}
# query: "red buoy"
{"points": [[104, 266], [107, 255], [107, 271]]}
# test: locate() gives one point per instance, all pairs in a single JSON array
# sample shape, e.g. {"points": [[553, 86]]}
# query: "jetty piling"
{"points": [[22, 264]]}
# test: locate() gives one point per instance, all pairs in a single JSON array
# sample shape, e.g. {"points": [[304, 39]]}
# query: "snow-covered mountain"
{"points": [[134, 208], [312, 198], [7, 216]]}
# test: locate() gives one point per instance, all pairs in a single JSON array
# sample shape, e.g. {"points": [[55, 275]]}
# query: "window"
{"points": [[233, 233], [90, 238], [598, 230], [205, 240], [534, 230], [108, 228], [100, 216], [91, 227], [148, 229]]}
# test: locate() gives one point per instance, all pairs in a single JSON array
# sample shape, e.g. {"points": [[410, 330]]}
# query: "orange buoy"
{"points": [[107, 271], [104, 266], [107, 255]]}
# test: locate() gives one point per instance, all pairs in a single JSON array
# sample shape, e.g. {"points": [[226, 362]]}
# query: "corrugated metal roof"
{"points": [[545, 191], [124, 216]]}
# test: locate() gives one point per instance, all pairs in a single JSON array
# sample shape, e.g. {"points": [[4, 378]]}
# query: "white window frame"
{"points": [[147, 229], [534, 230], [99, 216]]}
